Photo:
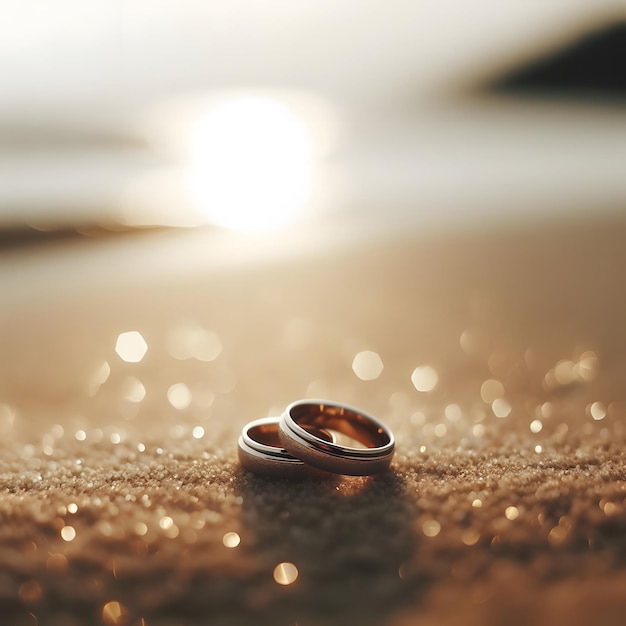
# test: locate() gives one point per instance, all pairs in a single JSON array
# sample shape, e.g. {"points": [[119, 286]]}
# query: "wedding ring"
{"points": [[297, 433], [260, 450]]}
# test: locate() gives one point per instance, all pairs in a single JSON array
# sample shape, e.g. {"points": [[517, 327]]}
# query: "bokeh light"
{"points": [[491, 390], [131, 346], [597, 411], [424, 378], [501, 408], [133, 389], [285, 573], [179, 396], [511, 512], [114, 613], [367, 365], [68, 533], [431, 528], [231, 540]]}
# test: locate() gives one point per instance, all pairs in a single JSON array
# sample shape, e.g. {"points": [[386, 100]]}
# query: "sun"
{"points": [[251, 164]]}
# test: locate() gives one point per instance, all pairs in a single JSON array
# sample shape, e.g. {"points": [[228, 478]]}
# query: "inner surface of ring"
{"points": [[341, 419], [267, 434]]}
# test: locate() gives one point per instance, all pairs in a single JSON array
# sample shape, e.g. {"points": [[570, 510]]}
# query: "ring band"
{"points": [[303, 418], [260, 450]]}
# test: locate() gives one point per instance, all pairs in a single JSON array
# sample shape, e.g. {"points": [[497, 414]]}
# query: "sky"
{"points": [[101, 105]]}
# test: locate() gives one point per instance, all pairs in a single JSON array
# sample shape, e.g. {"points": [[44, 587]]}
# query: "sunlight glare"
{"points": [[252, 164]]}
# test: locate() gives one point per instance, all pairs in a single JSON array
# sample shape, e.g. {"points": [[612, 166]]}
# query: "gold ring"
{"points": [[260, 451], [302, 420]]}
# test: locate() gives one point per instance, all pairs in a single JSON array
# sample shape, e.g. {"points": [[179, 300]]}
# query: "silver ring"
{"points": [[303, 418], [260, 451]]}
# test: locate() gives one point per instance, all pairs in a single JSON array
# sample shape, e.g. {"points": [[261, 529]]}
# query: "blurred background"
{"points": [[132, 114]]}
